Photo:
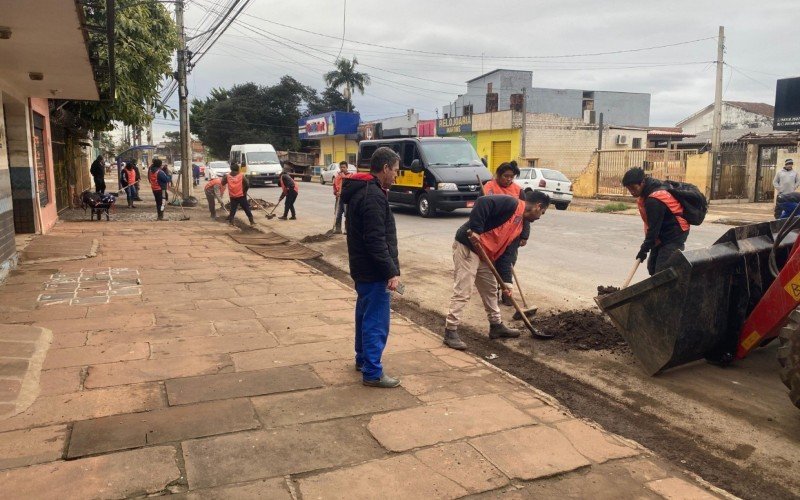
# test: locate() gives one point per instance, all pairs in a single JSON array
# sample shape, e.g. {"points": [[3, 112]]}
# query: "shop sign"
{"points": [[455, 125], [787, 104], [316, 127]]}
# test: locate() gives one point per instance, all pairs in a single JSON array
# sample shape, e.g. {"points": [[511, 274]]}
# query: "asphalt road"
{"points": [[740, 414]]}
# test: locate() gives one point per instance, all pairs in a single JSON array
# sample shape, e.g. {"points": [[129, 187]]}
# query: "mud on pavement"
{"points": [[583, 401], [584, 330]]}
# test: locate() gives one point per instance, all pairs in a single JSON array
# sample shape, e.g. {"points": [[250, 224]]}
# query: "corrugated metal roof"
{"points": [[726, 135]]}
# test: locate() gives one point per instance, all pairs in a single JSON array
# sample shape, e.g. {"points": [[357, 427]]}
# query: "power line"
{"points": [[344, 27]]}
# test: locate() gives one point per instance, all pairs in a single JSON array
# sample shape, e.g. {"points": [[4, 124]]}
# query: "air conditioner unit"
{"points": [[622, 139]]}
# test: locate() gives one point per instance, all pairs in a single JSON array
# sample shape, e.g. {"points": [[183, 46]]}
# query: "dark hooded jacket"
{"points": [[663, 226], [371, 230]]}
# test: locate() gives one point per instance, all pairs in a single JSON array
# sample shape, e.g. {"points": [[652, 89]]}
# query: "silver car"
{"points": [[217, 169], [328, 173]]}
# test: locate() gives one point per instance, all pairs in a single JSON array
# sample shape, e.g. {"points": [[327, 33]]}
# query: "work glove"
{"points": [[642, 255]]}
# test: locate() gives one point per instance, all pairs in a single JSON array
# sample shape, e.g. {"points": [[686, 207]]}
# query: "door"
{"points": [[501, 153], [405, 187], [765, 173]]}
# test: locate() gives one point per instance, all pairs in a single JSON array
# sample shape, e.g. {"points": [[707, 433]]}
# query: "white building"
{"points": [[735, 115]]}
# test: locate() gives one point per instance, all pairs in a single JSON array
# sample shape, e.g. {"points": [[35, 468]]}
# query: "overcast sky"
{"points": [[762, 42]]}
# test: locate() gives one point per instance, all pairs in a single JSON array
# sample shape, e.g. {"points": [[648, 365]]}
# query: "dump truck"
{"points": [[718, 303]]}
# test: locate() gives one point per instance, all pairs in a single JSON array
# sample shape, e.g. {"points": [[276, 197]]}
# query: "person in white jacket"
{"points": [[786, 181]]}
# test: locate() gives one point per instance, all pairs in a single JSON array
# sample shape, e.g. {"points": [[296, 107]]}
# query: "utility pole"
{"points": [[524, 123], [715, 145], [183, 110]]}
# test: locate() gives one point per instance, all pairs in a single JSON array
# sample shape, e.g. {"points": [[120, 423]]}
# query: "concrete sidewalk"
{"points": [[176, 361]]}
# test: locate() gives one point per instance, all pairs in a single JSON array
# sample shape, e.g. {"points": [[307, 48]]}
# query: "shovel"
{"points": [[530, 312], [485, 258], [630, 275], [270, 214]]}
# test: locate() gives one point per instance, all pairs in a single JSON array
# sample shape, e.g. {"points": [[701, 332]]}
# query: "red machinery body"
{"points": [[772, 311]]}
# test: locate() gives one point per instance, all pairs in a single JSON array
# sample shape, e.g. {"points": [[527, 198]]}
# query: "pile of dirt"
{"points": [[255, 204], [316, 238], [583, 330], [605, 290]]}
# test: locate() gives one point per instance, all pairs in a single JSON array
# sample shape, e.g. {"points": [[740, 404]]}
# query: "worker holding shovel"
{"points": [[237, 192], [214, 190], [289, 190], [341, 175], [494, 223]]}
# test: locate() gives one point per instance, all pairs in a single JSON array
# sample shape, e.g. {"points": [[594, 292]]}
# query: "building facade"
{"points": [[336, 132], [504, 89], [735, 115]]}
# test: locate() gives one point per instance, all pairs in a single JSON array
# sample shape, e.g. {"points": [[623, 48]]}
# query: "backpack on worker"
{"points": [[694, 203]]}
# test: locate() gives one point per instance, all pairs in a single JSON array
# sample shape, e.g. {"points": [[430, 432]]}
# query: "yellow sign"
{"points": [[751, 340], [793, 287], [407, 178]]}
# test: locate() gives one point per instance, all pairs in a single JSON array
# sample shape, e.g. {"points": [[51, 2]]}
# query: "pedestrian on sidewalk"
{"points": [[196, 174], [503, 183], [339, 208], [158, 182], [138, 180], [665, 229], [237, 192], [214, 190], [786, 181], [166, 182], [495, 223], [289, 190], [374, 264], [98, 172], [127, 180]]}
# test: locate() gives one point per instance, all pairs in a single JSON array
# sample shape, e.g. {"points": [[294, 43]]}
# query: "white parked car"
{"points": [[217, 169], [549, 181], [327, 174]]}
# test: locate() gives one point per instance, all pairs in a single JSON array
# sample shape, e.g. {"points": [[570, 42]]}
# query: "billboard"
{"points": [[328, 124], [455, 125], [787, 104]]}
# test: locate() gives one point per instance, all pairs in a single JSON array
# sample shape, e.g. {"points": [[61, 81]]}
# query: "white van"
{"points": [[259, 162]]}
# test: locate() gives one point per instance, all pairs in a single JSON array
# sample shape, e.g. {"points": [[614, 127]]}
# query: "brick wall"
{"points": [[565, 144]]}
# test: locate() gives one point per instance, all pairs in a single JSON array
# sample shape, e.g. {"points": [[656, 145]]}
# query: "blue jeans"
{"points": [[372, 327], [130, 192]]}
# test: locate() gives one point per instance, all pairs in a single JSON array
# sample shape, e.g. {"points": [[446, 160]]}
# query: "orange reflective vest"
{"points": [[672, 204], [493, 187], [130, 175], [283, 186], [497, 240], [337, 182], [235, 185], [215, 182], [153, 178]]}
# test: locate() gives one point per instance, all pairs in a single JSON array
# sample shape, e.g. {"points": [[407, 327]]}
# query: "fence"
{"points": [[730, 176], [664, 164]]}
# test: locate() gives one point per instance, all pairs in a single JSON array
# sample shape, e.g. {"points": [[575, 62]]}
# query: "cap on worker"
{"points": [[633, 176], [788, 162]]}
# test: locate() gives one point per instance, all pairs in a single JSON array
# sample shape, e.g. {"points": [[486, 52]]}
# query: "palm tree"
{"points": [[345, 75]]}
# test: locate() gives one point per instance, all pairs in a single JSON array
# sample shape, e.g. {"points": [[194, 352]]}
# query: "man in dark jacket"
{"points": [[98, 171], [665, 229], [374, 264], [497, 223]]}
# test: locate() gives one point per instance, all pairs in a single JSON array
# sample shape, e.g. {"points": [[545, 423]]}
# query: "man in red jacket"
{"points": [[341, 175]]}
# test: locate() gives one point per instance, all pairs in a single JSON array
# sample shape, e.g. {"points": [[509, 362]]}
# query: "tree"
{"points": [[146, 38], [331, 100], [345, 75], [250, 113]]}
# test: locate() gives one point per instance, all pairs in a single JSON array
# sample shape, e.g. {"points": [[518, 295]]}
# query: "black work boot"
{"points": [[385, 382], [453, 341], [337, 229], [252, 222], [501, 331], [506, 300]]}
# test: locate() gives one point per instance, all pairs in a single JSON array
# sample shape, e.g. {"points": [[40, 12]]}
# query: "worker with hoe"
{"points": [[665, 228], [494, 223], [214, 190], [503, 183], [289, 190], [374, 263], [237, 192], [786, 181], [341, 175]]}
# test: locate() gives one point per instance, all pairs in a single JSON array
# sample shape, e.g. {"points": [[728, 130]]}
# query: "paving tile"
{"points": [[47, 410], [17, 349], [118, 475], [293, 355], [94, 355], [63, 340], [456, 419], [245, 456], [9, 390], [193, 346], [120, 432], [313, 334], [146, 370], [524, 399], [411, 342], [274, 488], [456, 359], [287, 323], [22, 333], [451, 384], [31, 446], [392, 478], [461, 463], [227, 327], [60, 381], [331, 402], [678, 489], [530, 452], [322, 307], [152, 333], [53, 312], [240, 384], [13, 368], [594, 444], [178, 318], [643, 469], [547, 414], [132, 322], [340, 371]]}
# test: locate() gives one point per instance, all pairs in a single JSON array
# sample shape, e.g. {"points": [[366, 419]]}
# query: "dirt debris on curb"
{"points": [[605, 290], [583, 330], [316, 238]]}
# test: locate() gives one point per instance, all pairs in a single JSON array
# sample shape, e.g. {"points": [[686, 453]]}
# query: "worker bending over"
{"points": [[497, 222], [665, 229], [503, 183], [237, 192], [214, 190]]}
